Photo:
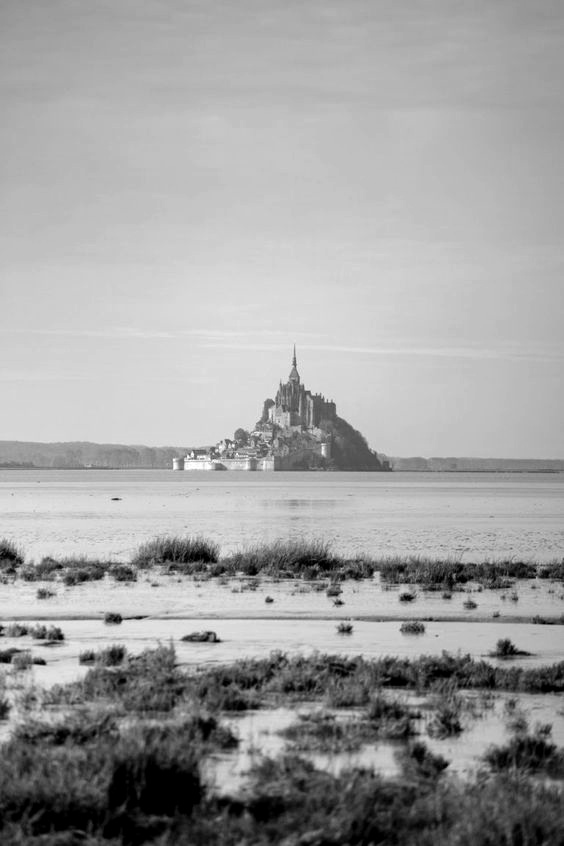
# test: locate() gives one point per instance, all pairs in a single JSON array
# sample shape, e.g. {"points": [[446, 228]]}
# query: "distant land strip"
{"points": [[73, 455]]}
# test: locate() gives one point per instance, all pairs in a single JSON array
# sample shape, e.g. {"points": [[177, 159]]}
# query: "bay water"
{"points": [[108, 513]]}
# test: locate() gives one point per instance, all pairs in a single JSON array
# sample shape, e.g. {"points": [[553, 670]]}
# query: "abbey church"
{"points": [[294, 406]]}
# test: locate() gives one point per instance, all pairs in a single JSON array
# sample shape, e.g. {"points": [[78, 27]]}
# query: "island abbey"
{"points": [[298, 430], [294, 406]]}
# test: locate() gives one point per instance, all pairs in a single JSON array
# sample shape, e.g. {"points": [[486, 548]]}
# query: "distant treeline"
{"points": [[80, 454], [479, 465]]}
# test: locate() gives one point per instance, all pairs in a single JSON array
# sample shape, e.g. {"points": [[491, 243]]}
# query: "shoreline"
{"points": [[355, 618]]}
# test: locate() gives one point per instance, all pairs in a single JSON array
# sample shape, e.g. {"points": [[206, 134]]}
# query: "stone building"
{"points": [[294, 406]]}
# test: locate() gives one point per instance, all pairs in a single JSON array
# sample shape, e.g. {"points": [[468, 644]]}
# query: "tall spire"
{"points": [[294, 375]]}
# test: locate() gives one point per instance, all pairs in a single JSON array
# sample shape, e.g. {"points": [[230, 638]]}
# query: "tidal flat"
{"points": [[317, 713]]}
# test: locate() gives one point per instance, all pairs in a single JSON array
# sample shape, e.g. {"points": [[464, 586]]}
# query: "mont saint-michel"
{"points": [[297, 430]]}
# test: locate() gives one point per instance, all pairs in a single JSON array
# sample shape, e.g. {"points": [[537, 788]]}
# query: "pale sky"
{"points": [[191, 186]]}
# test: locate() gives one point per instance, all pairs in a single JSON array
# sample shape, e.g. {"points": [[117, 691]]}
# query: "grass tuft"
{"points": [[45, 593], [22, 661], [282, 556], [412, 627], [11, 556], [177, 552], [447, 710], [49, 633], [534, 752], [201, 637], [505, 648], [112, 618], [123, 573], [407, 596], [112, 656], [16, 630], [77, 571]]}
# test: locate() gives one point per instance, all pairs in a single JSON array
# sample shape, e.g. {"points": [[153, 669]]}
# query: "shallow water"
{"points": [[239, 640], [181, 596], [468, 515], [259, 736]]}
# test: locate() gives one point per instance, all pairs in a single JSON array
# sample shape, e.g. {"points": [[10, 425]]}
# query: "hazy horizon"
{"points": [[190, 188], [211, 443]]}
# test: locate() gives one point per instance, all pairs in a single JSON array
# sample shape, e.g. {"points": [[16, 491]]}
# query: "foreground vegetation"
{"points": [[292, 558], [124, 762]]}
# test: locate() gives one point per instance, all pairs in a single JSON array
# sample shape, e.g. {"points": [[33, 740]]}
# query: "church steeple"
{"points": [[294, 375]]}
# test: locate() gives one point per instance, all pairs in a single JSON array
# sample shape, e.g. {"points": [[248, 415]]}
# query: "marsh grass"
{"points": [[111, 656], [45, 593], [505, 648], [531, 752], [349, 681], [46, 570], [419, 762], [52, 634], [77, 571], [6, 655], [11, 556], [112, 618], [390, 717], [320, 731], [447, 707], [552, 570], [201, 637], [179, 553], [93, 777], [38, 632], [451, 573], [16, 630], [407, 596], [22, 661], [421, 570], [5, 705], [345, 628], [122, 573], [215, 695], [149, 682], [285, 558], [412, 627]]}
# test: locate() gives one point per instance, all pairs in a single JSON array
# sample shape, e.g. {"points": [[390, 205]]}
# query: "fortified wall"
{"points": [[269, 462]]}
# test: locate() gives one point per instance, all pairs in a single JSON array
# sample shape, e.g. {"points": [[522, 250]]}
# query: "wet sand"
{"points": [[180, 597], [300, 619]]}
